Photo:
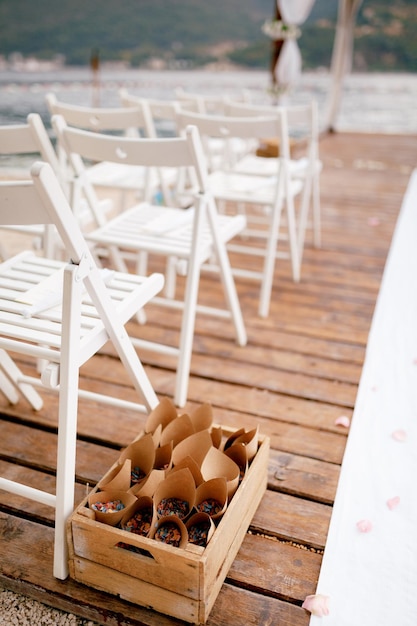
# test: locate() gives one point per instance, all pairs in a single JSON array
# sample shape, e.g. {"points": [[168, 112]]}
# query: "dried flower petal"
{"points": [[364, 526], [317, 605], [342, 420], [392, 503], [374, 221], [399, 435]]}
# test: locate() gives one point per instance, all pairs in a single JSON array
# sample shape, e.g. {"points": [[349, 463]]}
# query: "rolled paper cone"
{"points": [[189, 462], [142, 455], [238, 453], [202, 417], [216, 434], [156, 435], [232, 438], [217, 464], [148, 486], [180, 485], [163, 457], [177, 430], [167, 521], [205, 521], [112, 518], [250, 440], [162, 415], [144, 503], [213, 489], [118, 479], [196, 446]]}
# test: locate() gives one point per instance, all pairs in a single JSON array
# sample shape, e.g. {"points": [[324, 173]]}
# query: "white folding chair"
{"points": [[28, 141], [130, 121], [163, 112], [62, 313], [303, 128], [187, 238], [271, 194]]}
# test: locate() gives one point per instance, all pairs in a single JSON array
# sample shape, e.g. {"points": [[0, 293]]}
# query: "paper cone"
{"points": [[249, 440], [139, 518], [142, 455], [232, 438], [216, 436], [177, 485], [166, 527], [217, 464], [196, 446], [162, 415], [202, 417], [238, 453], [163, 457], [112, 518], [200, 528], [118, 479], [214, 489], [189, 462], [149, 485], [177, 430]]}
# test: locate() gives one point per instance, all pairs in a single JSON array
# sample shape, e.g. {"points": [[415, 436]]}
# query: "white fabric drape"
{"points": [[288, 67], [342, 56]]}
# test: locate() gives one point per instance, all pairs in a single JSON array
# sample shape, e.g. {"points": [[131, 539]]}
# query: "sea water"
{"points": [[380, 103]]}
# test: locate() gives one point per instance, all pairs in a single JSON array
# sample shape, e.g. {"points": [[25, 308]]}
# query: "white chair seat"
{"points": [[31, 306], [148, 228], [246, 188], [128, 177]]}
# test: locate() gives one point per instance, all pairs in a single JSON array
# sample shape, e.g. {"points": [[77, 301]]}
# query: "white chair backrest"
{"points": [[171, 152], [302, 118], [132, 120], [163, 112], [28, 139], [201, 103], [229, 127], [43, 202]]}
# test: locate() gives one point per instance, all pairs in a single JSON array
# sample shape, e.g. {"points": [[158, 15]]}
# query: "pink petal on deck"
{"points": [[399, 435], [342, 420], [392, 503], [364, 526], [317, 605], [373, 221]]}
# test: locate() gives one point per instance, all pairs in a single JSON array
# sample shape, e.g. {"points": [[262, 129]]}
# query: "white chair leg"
{"points": [[304, 208], [227, 278], [190, 307], [67, 420], [14, 375], [269, 262], [316, 211], [292, 238]]}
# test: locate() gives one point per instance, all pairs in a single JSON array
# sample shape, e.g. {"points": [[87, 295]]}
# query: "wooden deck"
{"points": [[298, 373]]}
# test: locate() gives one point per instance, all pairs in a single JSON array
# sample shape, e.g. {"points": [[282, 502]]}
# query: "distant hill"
{"points": [[192, 33]]}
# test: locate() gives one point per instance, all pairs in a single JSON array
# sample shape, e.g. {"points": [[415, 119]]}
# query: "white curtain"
{"points": [[342, 55], [288, 67]]}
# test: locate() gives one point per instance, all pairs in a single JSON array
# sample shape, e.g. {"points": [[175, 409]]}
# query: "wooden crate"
{"points": [[183, 583]]}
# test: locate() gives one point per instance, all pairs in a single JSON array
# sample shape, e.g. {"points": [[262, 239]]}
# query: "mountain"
{"points": [[191, 33]]}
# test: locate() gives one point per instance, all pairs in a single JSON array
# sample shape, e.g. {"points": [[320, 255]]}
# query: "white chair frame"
{"points": [[66, 331], [29, 139], [188, 236], [273, 193], [303, 129]]}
